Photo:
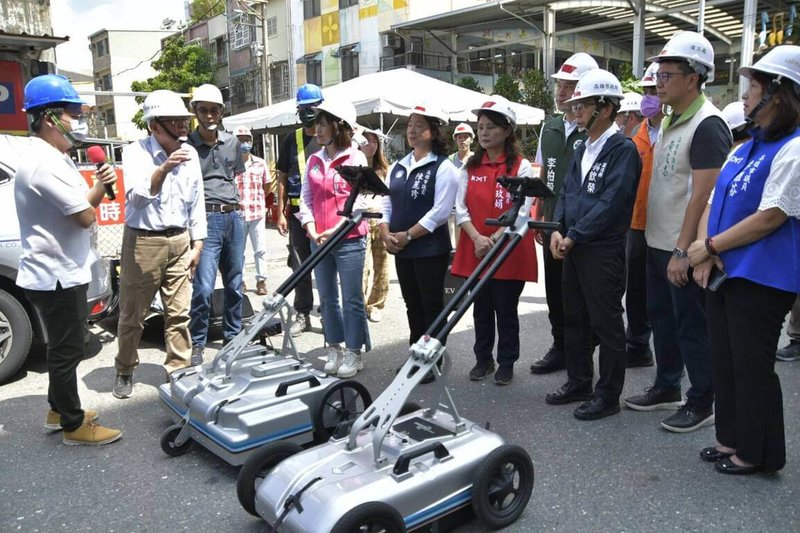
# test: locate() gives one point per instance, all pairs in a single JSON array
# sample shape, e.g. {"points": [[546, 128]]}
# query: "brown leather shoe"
{"points": [[91, 434], [261, 287], [53, 420]]}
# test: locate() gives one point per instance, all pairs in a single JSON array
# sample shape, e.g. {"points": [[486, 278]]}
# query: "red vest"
{"points": [[485, 198]]}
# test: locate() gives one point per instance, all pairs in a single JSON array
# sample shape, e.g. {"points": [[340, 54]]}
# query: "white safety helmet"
{"points": [[575, 66], [500, 105], [692, 48], [242, 131], [782, 62], [430, 110], [631, 102], [341, 109], [733, 114], [598, 83], [207, 93], [163, 103], [463, 128], [649, 78]]}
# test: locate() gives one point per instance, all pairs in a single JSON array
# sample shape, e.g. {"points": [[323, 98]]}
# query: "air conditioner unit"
{"points": [[392, 41]]}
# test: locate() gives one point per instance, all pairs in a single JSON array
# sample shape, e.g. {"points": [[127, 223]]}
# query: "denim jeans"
{"points": [[223, 249], [343, 267], [258, 240], [680, 334]]}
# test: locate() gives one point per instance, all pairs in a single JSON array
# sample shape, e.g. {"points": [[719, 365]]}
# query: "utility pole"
{"points": [[265, 75]]}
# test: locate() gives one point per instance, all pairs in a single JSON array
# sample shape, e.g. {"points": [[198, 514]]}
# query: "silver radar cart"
{"points": [[250, 395], [394, 472]]}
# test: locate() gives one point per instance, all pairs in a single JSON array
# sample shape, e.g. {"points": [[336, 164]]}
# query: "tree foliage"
{"points": [[468, 82], [206, 9], [629, 82], [536, 90], [507, 87], [180, 67]]}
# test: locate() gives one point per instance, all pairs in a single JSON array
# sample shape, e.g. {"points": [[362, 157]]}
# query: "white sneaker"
{"points": [[375, 315], [351, 364], [334, 359]]}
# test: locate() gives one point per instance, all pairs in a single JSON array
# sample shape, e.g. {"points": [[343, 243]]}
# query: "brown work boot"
{"points": [[91, 434], [53, 421], [261, 287]]}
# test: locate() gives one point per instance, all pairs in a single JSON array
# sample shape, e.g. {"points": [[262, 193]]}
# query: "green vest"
{"points": [[556, 155]]}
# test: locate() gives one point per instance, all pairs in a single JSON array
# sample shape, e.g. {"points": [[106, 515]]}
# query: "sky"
{"points": [[80, 18]]}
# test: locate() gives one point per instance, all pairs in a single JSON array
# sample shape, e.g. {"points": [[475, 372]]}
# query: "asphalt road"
{"points": [[623, 473]]}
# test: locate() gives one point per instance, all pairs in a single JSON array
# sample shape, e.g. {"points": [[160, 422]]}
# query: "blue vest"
{"points": [[773, 260], [412, 197]]}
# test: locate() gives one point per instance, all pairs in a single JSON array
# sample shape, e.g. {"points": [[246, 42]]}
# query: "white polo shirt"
{"points": [[48, 189]]}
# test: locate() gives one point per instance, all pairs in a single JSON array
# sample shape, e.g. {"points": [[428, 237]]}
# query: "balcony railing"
{"points": [[420, 60]]}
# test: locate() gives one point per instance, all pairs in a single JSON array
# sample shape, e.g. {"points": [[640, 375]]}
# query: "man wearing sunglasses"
{"points": [[165, 225], [692, 145], [292, 157]]}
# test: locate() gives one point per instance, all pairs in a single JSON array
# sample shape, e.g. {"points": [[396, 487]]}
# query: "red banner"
{"points": [[12, 118], [109, 212]]}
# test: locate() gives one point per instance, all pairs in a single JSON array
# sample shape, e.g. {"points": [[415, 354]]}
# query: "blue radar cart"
{"points": [[394, 472]]}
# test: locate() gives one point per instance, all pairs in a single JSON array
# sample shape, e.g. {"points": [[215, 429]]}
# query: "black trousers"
{"points": [[637, 335], [744, 326], [553, 293], [299, 250], [422, 285], [64, 313], [498, 300], [593, 284]]}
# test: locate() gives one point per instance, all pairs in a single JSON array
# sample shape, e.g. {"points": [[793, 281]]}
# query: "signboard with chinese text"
{"points": [[109, 212]]}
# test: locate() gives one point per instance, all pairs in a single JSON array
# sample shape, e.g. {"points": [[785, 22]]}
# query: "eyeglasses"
{"points": [[209, 110], [174, 122], [663, 77], [580, 107]]}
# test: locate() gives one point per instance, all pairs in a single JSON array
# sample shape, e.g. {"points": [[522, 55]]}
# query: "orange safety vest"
{"points": [[645, 149]]}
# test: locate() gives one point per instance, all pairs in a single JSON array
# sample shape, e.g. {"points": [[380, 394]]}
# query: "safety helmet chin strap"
{"points": [[64, 131], [595, 114], [773, 86], [177, 139]]}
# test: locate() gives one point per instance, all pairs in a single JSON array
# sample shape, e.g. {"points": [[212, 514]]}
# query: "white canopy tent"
{"points": [[391, 92]]}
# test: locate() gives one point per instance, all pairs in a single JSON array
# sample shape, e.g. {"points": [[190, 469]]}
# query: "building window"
{"points": [[103, 83], [219, 50], [347, 3], [279, 80], [109, 117], [349, 61], [243, 88], [314, 72], [242, 31], [101, 47], [272, 27], [311, 8], [480, 62]]}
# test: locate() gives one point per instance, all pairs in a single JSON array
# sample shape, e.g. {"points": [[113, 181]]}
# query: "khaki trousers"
{"points": [[376, 266], [153, 263]]}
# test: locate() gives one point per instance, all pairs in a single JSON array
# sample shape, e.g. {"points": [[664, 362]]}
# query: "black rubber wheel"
{"points": [[370, 517], [16, 335], [409, 407], [342, 403], [168, 442], [257, 466], [502, 486]]}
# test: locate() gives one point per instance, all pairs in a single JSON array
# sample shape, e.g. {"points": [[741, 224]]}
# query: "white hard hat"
{"points": [[242, 131], [575, 66], [599, 83], [207, 93], [782, 62], [341, 109], [500, 105], [430, 110], [163, 103], [631, 102], [733, 114], [649, 78], [692, 48], [463, 128]]}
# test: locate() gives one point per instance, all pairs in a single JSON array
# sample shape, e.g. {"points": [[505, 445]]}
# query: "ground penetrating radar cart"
{"points": [[394, 472]]}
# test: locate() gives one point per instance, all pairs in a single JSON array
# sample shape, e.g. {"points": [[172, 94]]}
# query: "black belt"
{"points": [[169, 232], [222, 208]]}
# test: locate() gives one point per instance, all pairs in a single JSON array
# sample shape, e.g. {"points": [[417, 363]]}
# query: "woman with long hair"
{"points": [[323, 195], [749, 233], [479, 197]]}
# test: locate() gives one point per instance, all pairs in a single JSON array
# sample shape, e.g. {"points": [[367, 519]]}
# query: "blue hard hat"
{"points": [[309, 94], [49, 89]]}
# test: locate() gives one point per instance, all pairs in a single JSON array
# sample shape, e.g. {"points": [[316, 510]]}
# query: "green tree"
{"points": [[536, 90], [205, 9], [468, 82], [180, 67], [507, 87], [629, 82]]}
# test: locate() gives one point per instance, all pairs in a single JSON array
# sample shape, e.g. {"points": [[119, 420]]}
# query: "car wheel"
{"points": [[256, 468], [369, 517], [16, 335], [502, 486]]}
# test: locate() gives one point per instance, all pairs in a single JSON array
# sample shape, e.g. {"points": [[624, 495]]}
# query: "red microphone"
{"points": [[98, 157]]}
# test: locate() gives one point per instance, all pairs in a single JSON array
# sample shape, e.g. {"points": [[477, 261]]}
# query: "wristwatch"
{"points": [[677, 252], [408, 236]]}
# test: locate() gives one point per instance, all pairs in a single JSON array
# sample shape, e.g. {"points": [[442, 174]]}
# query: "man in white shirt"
{"points": [[55, 210], [165, 225]]}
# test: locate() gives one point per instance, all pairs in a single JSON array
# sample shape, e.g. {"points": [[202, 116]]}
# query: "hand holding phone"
{"points": [[716, 278]]}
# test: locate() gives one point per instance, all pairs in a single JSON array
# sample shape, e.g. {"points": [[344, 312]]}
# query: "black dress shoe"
{"points": [[595, 409], [552, 361], [568, 393], [712, 454], [726, 466], [639, 359]]}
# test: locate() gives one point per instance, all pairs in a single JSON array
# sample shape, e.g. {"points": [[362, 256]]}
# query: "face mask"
{"points": [[79, 129], [650, 106], [307, 116], [246, 147]]}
